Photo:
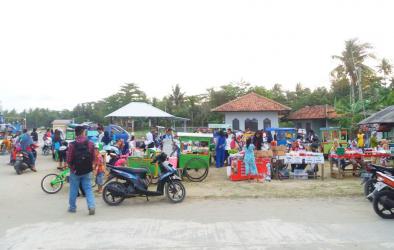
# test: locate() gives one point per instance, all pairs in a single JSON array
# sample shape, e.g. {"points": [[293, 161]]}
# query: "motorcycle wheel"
{"points": [[380, 205], [46, 185], [369, 187], [109, 198], [175, 191], [17, 167]]}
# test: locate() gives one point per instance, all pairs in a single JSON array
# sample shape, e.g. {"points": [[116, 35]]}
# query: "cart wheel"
{"points": [[196, 174]]}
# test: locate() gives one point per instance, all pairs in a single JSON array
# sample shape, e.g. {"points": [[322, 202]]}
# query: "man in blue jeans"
{"points": [[80, 158]]}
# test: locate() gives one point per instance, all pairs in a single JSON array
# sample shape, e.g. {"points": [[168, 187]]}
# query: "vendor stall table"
{"points": [[305, 157], [262, 164], [356, 159]]}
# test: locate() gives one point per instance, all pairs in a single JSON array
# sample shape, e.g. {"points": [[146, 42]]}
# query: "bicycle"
{"points": [[53, 183]]}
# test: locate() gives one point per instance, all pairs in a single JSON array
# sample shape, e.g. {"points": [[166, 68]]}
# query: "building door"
{"points": [[252, 124]]}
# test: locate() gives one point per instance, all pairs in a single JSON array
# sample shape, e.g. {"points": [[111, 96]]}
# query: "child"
{"points": [[99, 169], [62, 152], [249, 159]]}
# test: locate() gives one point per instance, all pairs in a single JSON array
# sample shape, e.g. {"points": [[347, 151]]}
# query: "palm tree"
{"points": [[352, 63], [177, 97], [385, 68]]}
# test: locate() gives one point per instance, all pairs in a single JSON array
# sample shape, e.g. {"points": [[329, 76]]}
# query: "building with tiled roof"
{"points": [[314, 117], [252, 111]]}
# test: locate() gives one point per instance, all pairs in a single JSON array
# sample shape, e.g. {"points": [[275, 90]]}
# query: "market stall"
{"points": [[329, 135], [237, 170], [342, 158], [284, 136], [194, 155], [299, 160]]}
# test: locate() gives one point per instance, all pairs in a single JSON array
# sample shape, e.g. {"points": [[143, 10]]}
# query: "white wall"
{"points": [[260, 116]]}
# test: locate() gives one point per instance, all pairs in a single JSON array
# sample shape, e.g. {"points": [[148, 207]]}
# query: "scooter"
{"points": [[23, 161], [47, 148], [383, 196], [369, 177], [133, 182]]}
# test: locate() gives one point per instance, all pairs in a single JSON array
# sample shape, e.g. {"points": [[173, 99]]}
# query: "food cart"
{"points": [[194, 155], [284, 136], [328, 135]]}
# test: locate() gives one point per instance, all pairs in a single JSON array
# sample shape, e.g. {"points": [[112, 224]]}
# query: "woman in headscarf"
{"points": [[220, 149], [258, 140], [106, 139]]}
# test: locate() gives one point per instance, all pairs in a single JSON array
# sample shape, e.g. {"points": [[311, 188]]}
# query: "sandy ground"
{"points": [[217, 214]]}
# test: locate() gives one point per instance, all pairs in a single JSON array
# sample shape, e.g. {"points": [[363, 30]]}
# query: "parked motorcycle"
{"points": [[369, 178], [133, 182], [23, 161], [383, 196]]}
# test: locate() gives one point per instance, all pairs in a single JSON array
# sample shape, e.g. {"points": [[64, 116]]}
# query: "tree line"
{"points": [[357, 89]]}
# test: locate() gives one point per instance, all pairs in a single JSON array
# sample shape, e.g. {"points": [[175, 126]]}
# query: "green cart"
{"points": [[328, 135], [194, 155]]}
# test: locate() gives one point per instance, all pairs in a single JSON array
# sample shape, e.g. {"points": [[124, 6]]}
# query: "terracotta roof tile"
{"points": [[251, 102], [314, 112]]}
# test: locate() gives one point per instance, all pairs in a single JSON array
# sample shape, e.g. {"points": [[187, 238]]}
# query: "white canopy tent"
{"points": [[144, 110]]}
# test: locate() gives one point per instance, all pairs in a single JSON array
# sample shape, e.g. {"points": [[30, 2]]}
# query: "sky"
{"points": [[56, 54]]}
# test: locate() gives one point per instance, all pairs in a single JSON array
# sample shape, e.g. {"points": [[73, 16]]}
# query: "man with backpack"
{"points": [[80, 158]]}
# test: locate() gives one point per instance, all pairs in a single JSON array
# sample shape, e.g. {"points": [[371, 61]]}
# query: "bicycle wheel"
{"points": [[51, 183]]}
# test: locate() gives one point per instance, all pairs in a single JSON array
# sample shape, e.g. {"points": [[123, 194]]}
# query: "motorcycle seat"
{"points": [[133, 170], [383, 169]]}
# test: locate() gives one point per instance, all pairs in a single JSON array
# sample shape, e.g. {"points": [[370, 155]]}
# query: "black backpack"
{"points": [[82, 161]]}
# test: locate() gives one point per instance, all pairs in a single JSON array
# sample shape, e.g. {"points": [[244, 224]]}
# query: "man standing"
{"points": [[150, 140], [360, 139], [80, 158], [34, 135]]}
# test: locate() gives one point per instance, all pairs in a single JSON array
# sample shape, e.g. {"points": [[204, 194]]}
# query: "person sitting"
{"points": [[333, 150], [106, 140], [296, 146], [26, 143]]}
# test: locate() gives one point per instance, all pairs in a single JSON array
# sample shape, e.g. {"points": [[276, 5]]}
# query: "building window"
{"points": [[253, 124], [299, 125], [267, 123], [236, 124]]}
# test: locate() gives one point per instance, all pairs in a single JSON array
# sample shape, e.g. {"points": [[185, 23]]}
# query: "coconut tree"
{"points": [[386, 69], [352, 63]]}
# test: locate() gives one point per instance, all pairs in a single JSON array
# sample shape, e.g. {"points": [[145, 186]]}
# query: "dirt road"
{"points": [[31, 219]]}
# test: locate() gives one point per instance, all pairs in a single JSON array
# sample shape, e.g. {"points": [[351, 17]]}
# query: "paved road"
{"points": [[31, 219]]}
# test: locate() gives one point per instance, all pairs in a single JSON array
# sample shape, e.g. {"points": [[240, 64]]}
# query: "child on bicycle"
{"points": [[99, 169]]}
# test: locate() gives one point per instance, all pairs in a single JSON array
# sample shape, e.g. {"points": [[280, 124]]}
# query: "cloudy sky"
{"points": [[57, 54]]}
